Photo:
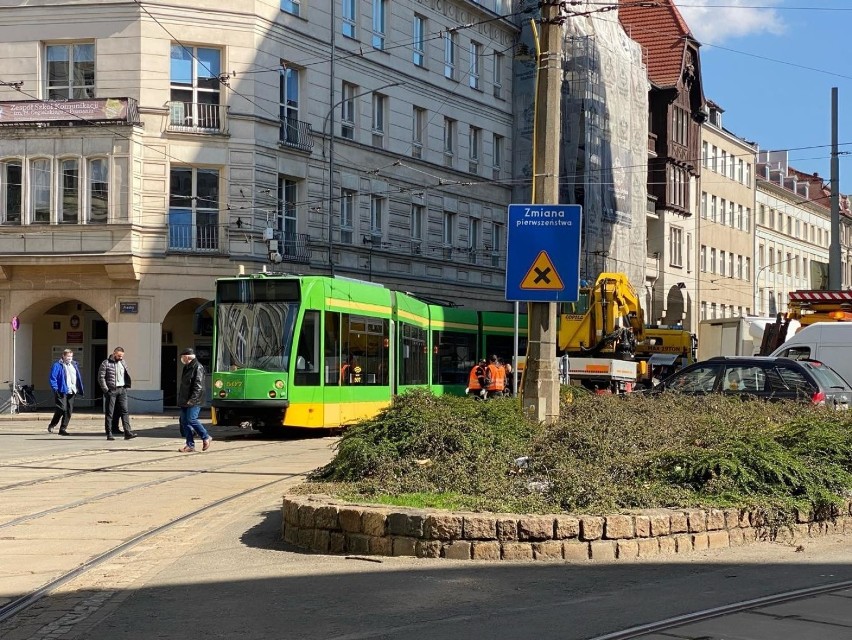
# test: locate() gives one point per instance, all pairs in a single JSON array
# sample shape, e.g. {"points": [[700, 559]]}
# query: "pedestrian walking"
{"points": [[114, 380], [190, 398], [66, 382]]}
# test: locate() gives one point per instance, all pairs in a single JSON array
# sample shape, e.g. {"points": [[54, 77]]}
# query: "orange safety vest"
{"points": [[473, 378], [498, 377]]}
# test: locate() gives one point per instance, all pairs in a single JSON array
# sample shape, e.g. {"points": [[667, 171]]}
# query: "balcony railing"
{"points": [[293, 247], [297, 134], [197, 117], [195, 238]]}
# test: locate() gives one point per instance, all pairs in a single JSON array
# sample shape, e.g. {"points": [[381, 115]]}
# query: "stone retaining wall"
{"points": [[320, 523]]}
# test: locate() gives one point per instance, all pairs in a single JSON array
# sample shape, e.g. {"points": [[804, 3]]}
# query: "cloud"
{"points": [[716, 24]]}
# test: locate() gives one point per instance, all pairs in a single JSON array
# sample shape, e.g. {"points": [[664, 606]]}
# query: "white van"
{"points": [[828, 342]]}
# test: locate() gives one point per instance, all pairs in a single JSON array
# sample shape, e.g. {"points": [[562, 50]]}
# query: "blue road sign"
{"points": [[543, 252]]}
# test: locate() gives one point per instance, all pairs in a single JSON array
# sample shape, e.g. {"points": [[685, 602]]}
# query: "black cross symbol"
{"points": [[541, 274]]}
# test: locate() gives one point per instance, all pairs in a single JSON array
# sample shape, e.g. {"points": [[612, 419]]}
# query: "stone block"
{"points": [[750, 535], [700, 541], [732, 518], [326, 518], [517, 551], [785, 535], [718, 539], [291, 535], [507, 529], [661, 524], [374, 522], [745, 519], [678, 522], [457, 549], [801, 530], [408, 524], [291, 512], [683, 543], [350, 519], [591, 527], [566, 527], [667, 545], [626, 549], [443, 527], [322, 540], [337, 542], [486, 550], [648, 547], [602, 550], [549, 551], [306, 538], [715, 520], [381, 546], [358, 543], [643, 526], [735, 537], [306, 516], [427, 549], [535, 528], [575, 550], [479, 528], [696, 520], [618, 527], [803, 516], [757, 518], [403, 546]]}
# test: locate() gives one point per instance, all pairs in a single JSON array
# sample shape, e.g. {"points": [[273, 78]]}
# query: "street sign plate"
{"points": [[543, 252]]}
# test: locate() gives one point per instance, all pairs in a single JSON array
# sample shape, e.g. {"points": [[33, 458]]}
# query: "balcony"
{"points": [[294, 247], [196, 238], [296, 134], [65, 240], [197, 117]]}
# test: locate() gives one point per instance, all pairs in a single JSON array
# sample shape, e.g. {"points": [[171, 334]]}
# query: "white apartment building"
{"points": [[725, 226], [147, 149]]}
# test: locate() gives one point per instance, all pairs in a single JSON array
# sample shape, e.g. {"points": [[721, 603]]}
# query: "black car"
{"points": [[762, 377]]}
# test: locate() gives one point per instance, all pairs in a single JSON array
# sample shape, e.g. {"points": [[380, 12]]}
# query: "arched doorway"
{"points": [[182, 329]]}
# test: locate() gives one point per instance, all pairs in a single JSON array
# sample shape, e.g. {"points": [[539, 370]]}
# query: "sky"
{"points": [[771, 65]]}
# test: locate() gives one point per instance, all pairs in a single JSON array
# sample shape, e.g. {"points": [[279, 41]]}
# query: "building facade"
{"points": [[145, 151], [725, 229]]}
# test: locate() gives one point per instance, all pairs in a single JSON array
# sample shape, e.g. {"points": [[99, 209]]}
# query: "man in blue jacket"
{"points": [[66, 382]]}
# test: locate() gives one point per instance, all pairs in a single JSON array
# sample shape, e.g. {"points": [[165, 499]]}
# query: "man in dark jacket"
{"points": [[190, 398], [114, 380]]}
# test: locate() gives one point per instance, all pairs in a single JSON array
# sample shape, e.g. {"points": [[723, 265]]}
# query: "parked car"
{"points": [[767, 378]]}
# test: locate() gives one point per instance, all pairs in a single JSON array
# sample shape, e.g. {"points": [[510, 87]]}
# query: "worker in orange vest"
{"points": [[497, 374], [477, 382]]}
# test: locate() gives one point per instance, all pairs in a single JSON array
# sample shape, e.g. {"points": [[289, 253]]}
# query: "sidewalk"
{"points": [[95, 415]]}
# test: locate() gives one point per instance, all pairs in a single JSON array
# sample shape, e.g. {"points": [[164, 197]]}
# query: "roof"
{"points": [[663, 33]]}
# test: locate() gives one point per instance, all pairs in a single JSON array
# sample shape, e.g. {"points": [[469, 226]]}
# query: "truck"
{"points": [[739, 336], [804, 308]]}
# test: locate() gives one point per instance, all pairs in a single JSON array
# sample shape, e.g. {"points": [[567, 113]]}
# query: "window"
{"points": [[740, 267], [761, 215], [705, 155], [418, 46], [69, 191], [496, 243], [713, 208], [771, 218], [307, 351], [347, 215], [193, 208], [730, 264], [11, 191], [474, 240], [41, 181], [723, 210], [747, 219], [498, 74], [680, 125], [98, 190], [760, 253], [418, 128], [453, 356], [449, 141], [377, 209], [789, 225], [365, 350], [704, 203], [731, 221], [771, 264], [740, 170], [417, 222], [740, 221], [290, 6], [789, 266], [744, 378], [702, 379], [714, 159], [474, 143], [350, 18], [347, 111], [689, 253], [703, 310], [195, 87], [722, 263], [379, 10], [475, 64], [724, 167], [712, 260], [288, 107], [498, 151], [286, 223], [449, 228], [70, 71], [703, 258], [379, 113], [450, 53], [413, 355], [676, 246]]}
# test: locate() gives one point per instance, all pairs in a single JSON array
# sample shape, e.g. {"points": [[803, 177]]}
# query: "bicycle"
{"points": [[21, 398]]}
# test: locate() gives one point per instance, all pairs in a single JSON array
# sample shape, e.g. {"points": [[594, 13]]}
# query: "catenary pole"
{"points": [[835, 273]]}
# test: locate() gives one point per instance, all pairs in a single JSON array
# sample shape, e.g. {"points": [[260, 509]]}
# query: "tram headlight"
{"points": [[272, 394], [223, 394], [279, 384], [218, 384]]}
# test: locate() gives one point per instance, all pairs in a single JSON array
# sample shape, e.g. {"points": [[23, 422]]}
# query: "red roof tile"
{"points": [[662, 32]]}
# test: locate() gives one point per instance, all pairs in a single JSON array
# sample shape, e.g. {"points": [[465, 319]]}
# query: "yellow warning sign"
{"points": [[542, 275]]}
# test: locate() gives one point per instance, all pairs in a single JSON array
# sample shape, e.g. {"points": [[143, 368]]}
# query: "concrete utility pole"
{"points": [[835, 272], [541, 381]]}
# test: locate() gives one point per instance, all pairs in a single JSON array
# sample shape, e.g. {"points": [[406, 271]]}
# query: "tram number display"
{"points": [[250, 291]]}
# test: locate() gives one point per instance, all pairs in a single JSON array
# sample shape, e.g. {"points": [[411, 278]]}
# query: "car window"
{"points": [[826, 376], [699, 380], [744, 378], [790, 380], [796, 353]]}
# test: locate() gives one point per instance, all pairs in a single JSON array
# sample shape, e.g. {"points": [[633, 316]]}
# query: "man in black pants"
{"points": [[114, 380]]}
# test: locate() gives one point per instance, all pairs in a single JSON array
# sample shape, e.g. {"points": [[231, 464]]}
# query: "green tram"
{"points": [[321, 352]]}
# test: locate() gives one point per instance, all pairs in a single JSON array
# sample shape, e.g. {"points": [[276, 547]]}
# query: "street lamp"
{"points": [[331, 158], [757, 278]]}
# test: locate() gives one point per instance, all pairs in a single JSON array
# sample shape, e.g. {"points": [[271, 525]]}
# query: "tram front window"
{"points": [[255, 336]]}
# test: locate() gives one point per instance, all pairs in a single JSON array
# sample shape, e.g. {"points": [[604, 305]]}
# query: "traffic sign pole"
{"points": [[16, 323]]}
